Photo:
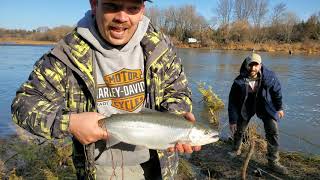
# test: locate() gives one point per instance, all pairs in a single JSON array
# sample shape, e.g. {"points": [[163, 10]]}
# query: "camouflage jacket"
{"points": [[62, 82]]}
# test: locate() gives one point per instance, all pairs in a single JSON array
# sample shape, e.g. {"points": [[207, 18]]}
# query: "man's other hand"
{"points": [[281, 114], [84, 127], [233, 128], [185, 148]]}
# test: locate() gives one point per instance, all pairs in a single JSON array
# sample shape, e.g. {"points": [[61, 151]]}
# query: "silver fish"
{"points": [[156, 130]]}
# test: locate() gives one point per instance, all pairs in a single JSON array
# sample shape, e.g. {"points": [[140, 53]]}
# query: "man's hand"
{"points": [[185, 148], [233, 128], [281, 114], [85, 128]]}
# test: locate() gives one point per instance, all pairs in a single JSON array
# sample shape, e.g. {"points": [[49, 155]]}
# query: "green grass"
{"points": [[28, 160], [212, 101]]}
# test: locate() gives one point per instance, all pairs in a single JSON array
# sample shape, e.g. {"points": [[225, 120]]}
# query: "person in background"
{"points": [[256, 91], [88, 76]]}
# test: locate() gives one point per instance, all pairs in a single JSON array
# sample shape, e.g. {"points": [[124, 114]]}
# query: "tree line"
{"points": [[235, 21], [39, 34]]}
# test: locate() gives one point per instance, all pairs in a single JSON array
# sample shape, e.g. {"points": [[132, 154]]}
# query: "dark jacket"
{"points": [[62, 82], [268, 98]]}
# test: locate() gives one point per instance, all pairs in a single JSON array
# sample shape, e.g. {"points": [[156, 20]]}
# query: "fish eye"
{"points": [[207, 132]]}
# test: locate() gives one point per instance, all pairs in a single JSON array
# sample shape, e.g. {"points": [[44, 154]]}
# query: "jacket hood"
{"points": [[243, 70]]}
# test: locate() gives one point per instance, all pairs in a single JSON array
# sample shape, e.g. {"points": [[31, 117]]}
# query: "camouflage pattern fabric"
{"points": [[62, 83]]}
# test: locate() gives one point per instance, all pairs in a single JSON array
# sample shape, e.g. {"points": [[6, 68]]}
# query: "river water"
{"points": [[299, 76]]}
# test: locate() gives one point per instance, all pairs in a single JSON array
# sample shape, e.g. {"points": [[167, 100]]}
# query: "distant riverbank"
{"points": [[309, 47], [290, 48], [25, 42]]}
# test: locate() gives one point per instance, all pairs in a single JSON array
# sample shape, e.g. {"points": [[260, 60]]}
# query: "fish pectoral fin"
{"points": [[139, 147], [112, 140]]}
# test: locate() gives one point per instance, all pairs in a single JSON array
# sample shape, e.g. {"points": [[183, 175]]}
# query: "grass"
{"points": [[22, 159], [212, 101]]}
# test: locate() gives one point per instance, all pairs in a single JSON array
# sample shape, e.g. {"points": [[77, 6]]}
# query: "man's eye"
{"points": [[134, 9], [110, 7]]}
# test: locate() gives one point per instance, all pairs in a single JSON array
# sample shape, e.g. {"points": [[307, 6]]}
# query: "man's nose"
{"points": [[121, 16]]}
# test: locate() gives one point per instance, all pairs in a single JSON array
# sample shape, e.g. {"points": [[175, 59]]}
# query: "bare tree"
{"points": [[260, 9], [290, 19], [155, 16], [243, 9], [278, 12], [171, 21], [240, 31], [224, 10], [187, 22]]}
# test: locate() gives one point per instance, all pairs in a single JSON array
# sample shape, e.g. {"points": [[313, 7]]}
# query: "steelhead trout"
{"points": [[157, 130]]}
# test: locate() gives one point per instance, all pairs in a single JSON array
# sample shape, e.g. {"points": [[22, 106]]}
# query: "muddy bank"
{"points": [[214, 162], [27, 158]]}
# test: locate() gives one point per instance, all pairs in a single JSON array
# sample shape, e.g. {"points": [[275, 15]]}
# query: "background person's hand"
{"points": [[281, 114], [185, 148], [233, 128], [84, 127]]}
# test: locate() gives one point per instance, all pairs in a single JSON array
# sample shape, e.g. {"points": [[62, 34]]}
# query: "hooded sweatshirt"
{"points": [[120, 88]]}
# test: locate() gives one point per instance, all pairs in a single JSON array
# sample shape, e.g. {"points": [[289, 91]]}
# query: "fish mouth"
{"points": [[215, 137]]}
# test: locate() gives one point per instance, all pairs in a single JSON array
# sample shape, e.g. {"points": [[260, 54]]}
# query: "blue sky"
{"points": [[30, 14]]}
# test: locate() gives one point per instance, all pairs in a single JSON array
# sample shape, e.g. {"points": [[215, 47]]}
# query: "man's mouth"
{"points": [[118, 32], [118, 28]]}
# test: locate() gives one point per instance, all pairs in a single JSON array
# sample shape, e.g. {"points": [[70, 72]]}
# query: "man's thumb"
{"points": [[104, 134]]}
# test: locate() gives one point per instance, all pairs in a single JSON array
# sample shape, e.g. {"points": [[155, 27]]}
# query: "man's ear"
{"points": [[93, 4], [142, 12]]}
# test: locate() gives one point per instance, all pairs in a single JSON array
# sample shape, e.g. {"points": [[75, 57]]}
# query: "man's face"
{"points": [[253, 69], [117, 20]]}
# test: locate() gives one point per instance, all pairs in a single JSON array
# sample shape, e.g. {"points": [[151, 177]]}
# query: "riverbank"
{"points": [[24, 157], [310, 47], [214, 162], [306, 48], [25, 42]]}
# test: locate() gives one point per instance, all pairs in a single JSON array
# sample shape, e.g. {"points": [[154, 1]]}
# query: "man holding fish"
{"points": [[113, 62]]}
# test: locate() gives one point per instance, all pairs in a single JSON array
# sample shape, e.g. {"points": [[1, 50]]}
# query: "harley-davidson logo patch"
{"points": [[124, 88]]}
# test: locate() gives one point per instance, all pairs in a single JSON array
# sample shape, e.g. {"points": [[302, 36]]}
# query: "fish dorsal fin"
{"points": [[147, 110]]}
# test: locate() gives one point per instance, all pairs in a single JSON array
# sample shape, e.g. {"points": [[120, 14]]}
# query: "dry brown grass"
{"points": [[308, 47], [1, 169], [252, 135], [24, 42]]}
